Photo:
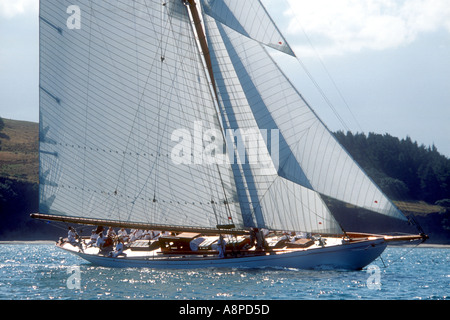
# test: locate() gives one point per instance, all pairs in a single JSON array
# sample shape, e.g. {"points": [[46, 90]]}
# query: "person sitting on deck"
{"points": [[148, 235], [71, 235], [100, 241], [123, 233], [119, 249], [111, 233], [136, 234], [93, 239], [99, 229]]}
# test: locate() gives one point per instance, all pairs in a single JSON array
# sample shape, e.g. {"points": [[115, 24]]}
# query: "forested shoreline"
{"points": [[402, 168]]}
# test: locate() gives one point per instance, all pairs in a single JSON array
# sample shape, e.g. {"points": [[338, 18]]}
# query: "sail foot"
{"points": [[136, 225]]}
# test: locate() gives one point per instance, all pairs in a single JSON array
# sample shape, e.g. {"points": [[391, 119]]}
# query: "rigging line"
{"points": [[173, 80], [322, 93], [180, 99], [329, 76], [87, 109], [204, 50], [159, 95], [93, 15], [141, 95], [401, 257], [243, 175]]}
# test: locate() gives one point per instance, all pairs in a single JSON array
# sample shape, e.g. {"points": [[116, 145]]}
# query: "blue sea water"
{"points": [[40, 271]]}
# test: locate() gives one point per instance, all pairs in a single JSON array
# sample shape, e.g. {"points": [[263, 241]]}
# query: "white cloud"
{"points": [[340, 26], [12, 8]]}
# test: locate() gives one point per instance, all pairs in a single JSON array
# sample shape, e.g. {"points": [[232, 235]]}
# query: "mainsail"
{"points": [[129, 120], [118, 96]]}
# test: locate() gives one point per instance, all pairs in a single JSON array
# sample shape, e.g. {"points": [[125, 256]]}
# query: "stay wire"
{"points": [[399, 258], [322, 93]]}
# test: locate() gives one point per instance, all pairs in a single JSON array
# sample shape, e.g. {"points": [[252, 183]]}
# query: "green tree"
{"points": [[402, 168]]}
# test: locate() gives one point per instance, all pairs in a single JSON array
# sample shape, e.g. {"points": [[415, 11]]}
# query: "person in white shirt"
{"points": [[111, 233], [71, 235], [118, 250], [133, 235], [93, 239], [148, 235], [123, 234], [100, 241], [139, 234]]}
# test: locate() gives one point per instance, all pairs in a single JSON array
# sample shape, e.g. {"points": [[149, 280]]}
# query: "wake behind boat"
{"points": [[172, 115]]}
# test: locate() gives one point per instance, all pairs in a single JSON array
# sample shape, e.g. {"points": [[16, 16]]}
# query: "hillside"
{"points": [[403, 169], [416, 177], [19, 150]]}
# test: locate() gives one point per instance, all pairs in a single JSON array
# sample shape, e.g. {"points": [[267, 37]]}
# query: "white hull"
{"points": [[349, 256]]}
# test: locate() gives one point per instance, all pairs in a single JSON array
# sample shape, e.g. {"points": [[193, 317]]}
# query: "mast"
{"points": [[207, 58], [202, 41]]}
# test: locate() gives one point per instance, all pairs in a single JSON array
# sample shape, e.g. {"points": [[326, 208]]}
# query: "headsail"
{"points": [[268, 200], [250, 19], [121, 94], [309, 153]]}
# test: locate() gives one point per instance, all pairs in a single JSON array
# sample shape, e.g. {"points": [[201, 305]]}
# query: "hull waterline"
{"points": [[351, 256]]}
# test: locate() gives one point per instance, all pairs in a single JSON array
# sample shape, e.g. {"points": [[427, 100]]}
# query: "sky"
{"points": [[378, 66]]}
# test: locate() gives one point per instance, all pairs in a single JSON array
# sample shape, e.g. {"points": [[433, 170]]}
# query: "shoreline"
{"points": [[430, 245], [27, 242]]}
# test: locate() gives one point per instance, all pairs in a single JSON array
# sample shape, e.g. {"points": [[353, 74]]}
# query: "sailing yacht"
{"points": [[172, 115]]}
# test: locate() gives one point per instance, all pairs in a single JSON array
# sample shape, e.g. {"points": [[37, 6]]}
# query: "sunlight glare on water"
{"points": [[44, 272]]}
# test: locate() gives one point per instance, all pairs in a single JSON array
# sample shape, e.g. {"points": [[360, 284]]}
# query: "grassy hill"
{"points": [[19, 153]]}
